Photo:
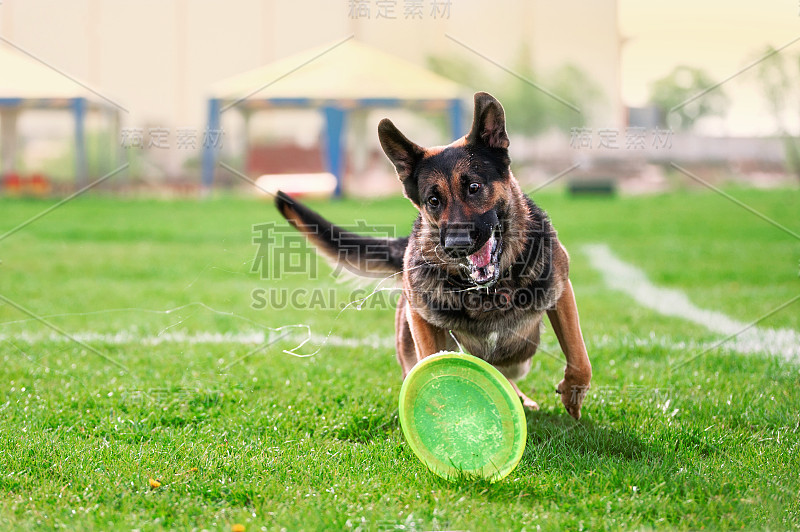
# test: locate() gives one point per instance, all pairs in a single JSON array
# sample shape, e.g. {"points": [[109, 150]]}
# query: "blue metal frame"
{"points": [[10, 102], [209, 153], [328, 102], [81, 162], [334, 149], [456, 119]]}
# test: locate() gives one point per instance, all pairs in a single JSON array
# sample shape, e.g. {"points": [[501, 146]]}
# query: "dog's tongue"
{"points": [[483, 256]]}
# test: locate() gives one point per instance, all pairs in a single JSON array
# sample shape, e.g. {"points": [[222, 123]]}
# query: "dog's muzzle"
{"points": [[480, 243]]}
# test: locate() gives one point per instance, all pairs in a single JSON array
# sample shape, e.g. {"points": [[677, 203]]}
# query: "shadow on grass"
{"points": [[557, 435]]}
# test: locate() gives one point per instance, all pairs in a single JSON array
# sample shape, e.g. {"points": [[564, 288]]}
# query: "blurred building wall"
{"points": [[158, 58]]}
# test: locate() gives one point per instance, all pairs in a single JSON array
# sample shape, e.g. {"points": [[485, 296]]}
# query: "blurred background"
{"points": [[195, 97]]}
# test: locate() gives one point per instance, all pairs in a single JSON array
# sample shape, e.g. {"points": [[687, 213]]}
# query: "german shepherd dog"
{"points": [[482, 265]]}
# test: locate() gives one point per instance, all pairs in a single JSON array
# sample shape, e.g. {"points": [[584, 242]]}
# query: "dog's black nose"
{"points": [[457, 242]]}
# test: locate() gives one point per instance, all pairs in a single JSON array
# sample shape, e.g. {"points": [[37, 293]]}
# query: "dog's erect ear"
{"points": [[488, 123], [403, 153]]}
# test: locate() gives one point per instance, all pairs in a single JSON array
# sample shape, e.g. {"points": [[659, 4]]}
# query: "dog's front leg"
{"points": [[578, 373], [428, 339]]}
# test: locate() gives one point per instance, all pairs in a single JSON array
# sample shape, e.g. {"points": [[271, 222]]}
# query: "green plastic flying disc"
{"points": [[462, 417]]}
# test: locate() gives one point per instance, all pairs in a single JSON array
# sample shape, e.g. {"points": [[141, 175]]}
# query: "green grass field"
{"points": [[235, 434]]}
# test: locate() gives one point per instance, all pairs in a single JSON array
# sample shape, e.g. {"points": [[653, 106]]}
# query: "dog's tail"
{"points": [[362, 255]]}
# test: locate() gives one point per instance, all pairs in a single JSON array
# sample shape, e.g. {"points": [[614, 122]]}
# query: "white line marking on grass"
{"points": [[200, 337], [629, 279], [256, 338]]}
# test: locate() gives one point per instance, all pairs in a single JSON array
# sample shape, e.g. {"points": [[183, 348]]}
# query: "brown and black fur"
{"points": [[468, 200]]}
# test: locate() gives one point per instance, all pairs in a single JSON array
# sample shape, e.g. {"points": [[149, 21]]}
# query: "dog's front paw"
{"points": [[573, 389]]}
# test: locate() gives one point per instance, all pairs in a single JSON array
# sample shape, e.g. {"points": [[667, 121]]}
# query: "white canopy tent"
{"points": [[335, 79]]}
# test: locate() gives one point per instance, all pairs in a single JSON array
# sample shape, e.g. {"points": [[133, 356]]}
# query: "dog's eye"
{"points": [[433, 201], [474, 188]]}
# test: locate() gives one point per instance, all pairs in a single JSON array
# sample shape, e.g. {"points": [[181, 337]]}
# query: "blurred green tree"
{"points": [[686, 95], [779, 76], [524, 94]]}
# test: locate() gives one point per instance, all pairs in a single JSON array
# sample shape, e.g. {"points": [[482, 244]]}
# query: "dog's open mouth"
{"points": [[484, 264]]}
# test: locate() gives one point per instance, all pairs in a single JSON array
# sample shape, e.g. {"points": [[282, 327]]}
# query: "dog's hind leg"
{"points": [[406, 353], [527, 402], [513, 373]]}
